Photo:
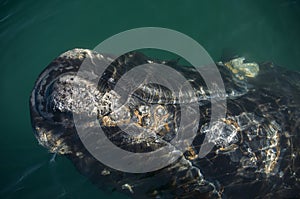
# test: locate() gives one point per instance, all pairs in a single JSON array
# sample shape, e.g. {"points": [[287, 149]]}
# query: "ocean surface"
{"points": [[32, 33]]}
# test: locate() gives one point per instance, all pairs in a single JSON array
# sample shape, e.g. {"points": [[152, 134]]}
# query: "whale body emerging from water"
{"points": [[256, 152]]}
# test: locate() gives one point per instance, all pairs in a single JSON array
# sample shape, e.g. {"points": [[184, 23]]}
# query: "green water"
{"points": [[32, 33]]}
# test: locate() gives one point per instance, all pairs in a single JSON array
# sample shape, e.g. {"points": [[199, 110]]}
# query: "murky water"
{"points": [[32, 33]]}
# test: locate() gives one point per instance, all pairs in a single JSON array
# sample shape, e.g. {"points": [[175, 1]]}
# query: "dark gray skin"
{"points": [[256, 154]]}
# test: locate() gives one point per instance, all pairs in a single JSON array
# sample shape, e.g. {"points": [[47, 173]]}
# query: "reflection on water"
{"points": [[17, 185], [32, 33]]}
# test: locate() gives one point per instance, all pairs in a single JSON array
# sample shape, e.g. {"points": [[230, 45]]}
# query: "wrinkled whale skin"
{"points": [[256, 154]]}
